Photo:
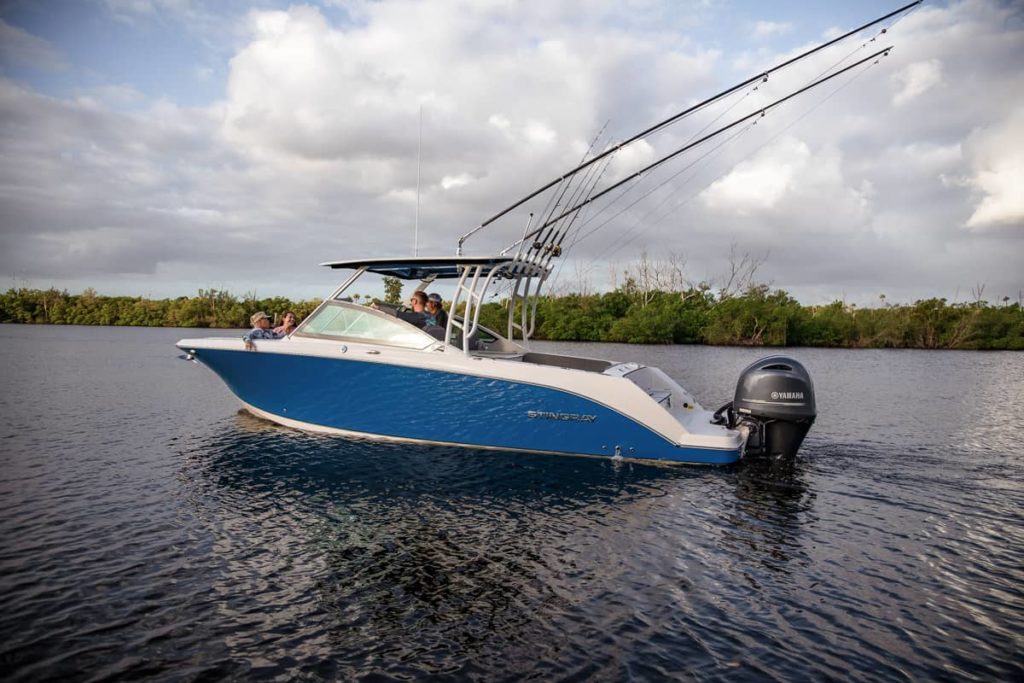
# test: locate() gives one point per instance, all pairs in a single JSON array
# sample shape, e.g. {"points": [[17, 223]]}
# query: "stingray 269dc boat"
{"points": [[368, 372], [360, 371]]}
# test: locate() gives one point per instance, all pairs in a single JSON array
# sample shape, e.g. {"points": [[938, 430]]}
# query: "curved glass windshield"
{"points": [[348, 321]]}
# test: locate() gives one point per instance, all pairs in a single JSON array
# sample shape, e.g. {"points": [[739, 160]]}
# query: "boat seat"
{"points": [[434, 331]]}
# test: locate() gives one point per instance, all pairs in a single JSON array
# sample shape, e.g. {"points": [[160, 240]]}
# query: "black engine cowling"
{"points": [[774, 402]]}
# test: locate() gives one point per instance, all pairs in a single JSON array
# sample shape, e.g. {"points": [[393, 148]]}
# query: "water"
{"points": [[150, 530]]}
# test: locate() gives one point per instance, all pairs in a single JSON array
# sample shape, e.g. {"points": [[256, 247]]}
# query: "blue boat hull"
{"points": [[418, 404]]}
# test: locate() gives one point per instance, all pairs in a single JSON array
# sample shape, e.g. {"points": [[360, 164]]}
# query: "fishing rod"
{"points": [[690, 166], [574, 194], [672, 119], [764, 144], [554, 201], [684, 148], [702, 158], [591, 179]]}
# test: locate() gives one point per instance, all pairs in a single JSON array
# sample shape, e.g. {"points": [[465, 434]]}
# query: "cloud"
{"points": [[766, 29], [114, 96], [21, 47], [128, 193], [212, 25], [630, 159], [916, 79], [789, 188], [304, 88], [130, 11], [997, 161], [306, 91], [450, 182], [759, 183]]}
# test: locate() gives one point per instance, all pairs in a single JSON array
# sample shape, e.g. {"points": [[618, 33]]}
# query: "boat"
{"points": [[358, 371], [361, 371]]}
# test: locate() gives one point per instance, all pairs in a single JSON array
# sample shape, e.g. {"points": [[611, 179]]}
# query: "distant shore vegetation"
{"points": [[755, 316]]}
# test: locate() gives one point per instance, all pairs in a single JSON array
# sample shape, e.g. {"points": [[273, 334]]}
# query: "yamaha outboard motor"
{"points": [[774, 404]]}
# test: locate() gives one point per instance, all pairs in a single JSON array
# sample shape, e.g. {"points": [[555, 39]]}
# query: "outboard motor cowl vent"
{"points": [[775, 401]]}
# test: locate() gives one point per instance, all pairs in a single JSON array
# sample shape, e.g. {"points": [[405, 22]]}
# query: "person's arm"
{"points": [[259, 333], [390, 309], [412, 317]]}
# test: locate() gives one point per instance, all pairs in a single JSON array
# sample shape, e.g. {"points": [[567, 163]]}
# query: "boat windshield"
{"points": [[340, 320]]}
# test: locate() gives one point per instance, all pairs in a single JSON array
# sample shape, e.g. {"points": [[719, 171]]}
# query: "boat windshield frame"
{"points": [[475, 276], [406, 335]]}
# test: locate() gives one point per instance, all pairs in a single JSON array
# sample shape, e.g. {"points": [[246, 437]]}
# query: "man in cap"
{"points": [[260, 330], [436, 315]]}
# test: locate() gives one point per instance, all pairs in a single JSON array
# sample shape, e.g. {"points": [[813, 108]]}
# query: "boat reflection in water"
{"points": [[475, 553]]}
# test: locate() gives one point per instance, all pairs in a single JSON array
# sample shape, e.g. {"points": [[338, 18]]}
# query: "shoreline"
{"points": [[757, 318]]}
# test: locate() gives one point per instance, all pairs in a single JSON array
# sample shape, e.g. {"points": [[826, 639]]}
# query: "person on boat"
{"points": [[418, 301], [260, 330], [415, 314], [436, 315], [417, 311], [287, 325]]}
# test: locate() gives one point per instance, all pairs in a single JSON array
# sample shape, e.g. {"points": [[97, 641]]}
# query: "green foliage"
{"points": [[210, 308], [759, 317], [392, 290], [572, 318], [492, 316], [665, 318], [830, 325]]}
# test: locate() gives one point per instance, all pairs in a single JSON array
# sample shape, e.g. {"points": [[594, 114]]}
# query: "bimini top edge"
{"points": [[438, 267]]}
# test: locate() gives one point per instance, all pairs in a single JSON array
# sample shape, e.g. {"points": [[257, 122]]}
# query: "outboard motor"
{"points": [[774, 404]]}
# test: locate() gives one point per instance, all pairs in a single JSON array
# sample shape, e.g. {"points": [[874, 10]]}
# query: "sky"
{"points": [[157, 147]]}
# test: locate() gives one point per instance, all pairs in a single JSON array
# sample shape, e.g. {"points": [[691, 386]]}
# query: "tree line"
{"points": [[212, 308], [755, 316]]}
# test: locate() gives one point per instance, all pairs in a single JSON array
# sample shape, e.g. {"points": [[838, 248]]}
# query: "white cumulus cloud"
{"points": [[761, 182], [763, 29], [916, 79], [997, 159]]}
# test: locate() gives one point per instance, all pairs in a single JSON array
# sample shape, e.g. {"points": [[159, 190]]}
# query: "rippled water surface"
{"points": [[148, 529]]}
